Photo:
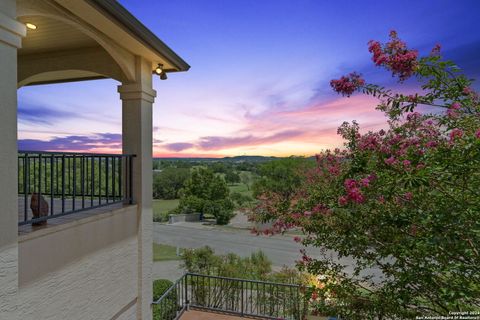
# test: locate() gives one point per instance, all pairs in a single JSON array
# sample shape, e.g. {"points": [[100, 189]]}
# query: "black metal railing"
{"points": [[53, 184], [242, 297]]}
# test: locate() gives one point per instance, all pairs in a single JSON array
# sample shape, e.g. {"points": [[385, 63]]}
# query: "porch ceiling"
{"points": [[52, 36], [84, 39]]}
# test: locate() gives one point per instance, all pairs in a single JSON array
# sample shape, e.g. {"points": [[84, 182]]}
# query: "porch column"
{"points": [[137, 101], [11, 33]]}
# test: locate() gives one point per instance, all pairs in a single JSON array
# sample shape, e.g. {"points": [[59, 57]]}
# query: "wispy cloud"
{"points": [[96, 142], [178, 146], [38, 114], [219, 142]]}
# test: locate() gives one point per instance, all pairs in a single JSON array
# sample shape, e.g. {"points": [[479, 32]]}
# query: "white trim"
{"points": [[11, 31]]}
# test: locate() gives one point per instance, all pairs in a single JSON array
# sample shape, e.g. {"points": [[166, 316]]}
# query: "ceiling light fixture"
{"points": [[31, 26]]}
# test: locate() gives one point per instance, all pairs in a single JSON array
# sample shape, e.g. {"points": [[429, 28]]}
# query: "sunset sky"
{"points": [[259, 81]]}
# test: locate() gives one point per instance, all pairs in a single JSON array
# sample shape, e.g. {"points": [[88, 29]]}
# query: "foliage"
{"points": [[207, 193], [232, 177], [241, 199], [267, 299], [280, 179], [162, 208], [170, 305], [255, 267], [168, 183], [404, 203], [246, 178], [164, 252], [159, 288]]}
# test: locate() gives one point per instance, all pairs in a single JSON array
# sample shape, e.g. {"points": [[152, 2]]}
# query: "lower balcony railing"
{"points": [[241, 297], [53, 184]]}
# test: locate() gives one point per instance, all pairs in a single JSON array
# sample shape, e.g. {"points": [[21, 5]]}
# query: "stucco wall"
{"points": [[85, 269]]}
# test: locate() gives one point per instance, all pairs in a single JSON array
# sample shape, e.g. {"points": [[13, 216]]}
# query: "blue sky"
{"points": [[259, 82]]}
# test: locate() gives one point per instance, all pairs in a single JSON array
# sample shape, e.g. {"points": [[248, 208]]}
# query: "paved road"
{"points": [[282, 250]]}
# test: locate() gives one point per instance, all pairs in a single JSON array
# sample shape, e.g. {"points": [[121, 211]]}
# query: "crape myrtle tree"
{"points": [[403, 202]]}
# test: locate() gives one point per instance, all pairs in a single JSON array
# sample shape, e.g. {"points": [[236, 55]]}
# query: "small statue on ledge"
{"points": [[39, 209]]}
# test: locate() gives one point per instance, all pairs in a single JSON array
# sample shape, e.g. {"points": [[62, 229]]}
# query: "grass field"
{"points": [[240, 188], [162, 207], [163, 252]]}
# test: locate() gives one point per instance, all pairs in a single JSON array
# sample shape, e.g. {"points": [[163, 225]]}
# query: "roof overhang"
{"points": [[87, 39], [137, 34]]}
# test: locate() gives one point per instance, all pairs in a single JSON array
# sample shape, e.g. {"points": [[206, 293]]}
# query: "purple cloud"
{"points": [[218, 142], [74, 143], [42, 115], [178, 146]]}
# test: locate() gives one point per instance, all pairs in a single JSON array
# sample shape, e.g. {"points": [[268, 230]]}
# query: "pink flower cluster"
{"points": [[456, 134], [354, 190], [452, 112], [395, 56], [347, 85]]}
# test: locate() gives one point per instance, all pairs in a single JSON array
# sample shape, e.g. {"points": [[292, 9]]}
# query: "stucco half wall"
{"points": [[84, 269]]}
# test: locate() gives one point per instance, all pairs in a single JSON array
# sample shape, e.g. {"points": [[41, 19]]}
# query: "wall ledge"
{"points": [[28, 232]]}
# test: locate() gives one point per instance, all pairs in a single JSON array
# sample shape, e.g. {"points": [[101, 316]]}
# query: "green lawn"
{"points": [[240, 188], [163, 252], [162, 207]]}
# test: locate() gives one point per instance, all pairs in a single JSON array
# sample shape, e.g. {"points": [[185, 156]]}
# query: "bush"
{"points": [[168, 309]]}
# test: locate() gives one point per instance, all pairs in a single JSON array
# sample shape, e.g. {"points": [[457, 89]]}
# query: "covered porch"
{"points": [[95, 210]]}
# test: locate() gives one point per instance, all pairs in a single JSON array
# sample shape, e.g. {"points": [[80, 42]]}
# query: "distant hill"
{"points": [[226, 159]]}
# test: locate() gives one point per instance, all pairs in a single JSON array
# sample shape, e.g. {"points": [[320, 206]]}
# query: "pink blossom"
{"points": [[455, 106], [390, 161], [431, 144], [347, 85], [477, 134], [295, 216], [406, 163], [467, 91], [456, 134], [395, 56], [356, 195], [452, 112], [342, 200], [408, 196], [350, 183], [436, 50], [297, 239], [381, 199]]}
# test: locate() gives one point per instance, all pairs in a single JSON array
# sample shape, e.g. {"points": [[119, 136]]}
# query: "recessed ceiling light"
{"points": [[31, 26]]}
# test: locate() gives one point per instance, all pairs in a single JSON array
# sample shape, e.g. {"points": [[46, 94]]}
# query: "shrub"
{"points": [[168, 309]]}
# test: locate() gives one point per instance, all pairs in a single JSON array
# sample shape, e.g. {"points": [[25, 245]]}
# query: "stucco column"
{"points": [[11, 33], [137, 102]]}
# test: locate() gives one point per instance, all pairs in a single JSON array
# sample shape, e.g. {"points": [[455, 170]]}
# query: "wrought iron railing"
{"points": [[248, 298], [53, 184]]}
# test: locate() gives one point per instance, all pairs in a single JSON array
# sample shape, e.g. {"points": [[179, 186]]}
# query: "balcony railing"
{"points": [[54, 184], [245, 298]]}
